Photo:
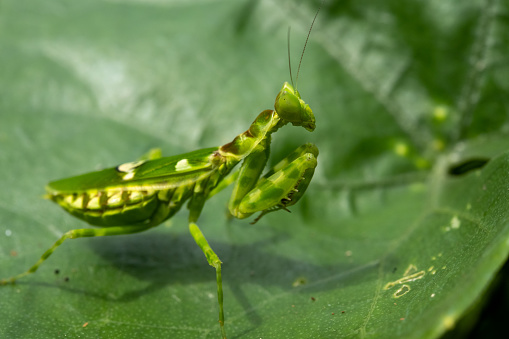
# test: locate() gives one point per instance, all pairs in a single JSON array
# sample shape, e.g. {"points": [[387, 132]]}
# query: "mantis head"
{"points": [[291, 108]]}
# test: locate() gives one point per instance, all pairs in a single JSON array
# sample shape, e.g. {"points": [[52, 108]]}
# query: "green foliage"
{"points": [[386, 242]]}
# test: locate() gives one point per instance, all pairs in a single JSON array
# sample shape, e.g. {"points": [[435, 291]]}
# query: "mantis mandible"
{"points": [[136, 196]]}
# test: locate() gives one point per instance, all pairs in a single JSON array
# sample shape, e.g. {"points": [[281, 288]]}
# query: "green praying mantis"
{"points": [[136, 196]]}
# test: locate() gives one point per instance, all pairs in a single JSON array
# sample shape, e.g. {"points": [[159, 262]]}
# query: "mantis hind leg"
{"points": [[74, 234], [283, 185]]}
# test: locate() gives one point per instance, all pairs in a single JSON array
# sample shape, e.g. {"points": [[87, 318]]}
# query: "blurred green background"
{"points": [[402, 231]]}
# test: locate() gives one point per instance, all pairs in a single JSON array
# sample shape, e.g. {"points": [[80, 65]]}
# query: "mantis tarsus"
{"points": [[136, 196]]}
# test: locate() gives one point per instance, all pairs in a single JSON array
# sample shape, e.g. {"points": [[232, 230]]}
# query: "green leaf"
{"points": [[401, 231]]}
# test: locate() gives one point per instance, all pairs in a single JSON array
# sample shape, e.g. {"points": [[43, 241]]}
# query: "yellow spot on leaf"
{"points": [[404, 289], [408, 276], [401, 149], [405, 279], [410, 269], [299, 282], [440, 113], [449, 322], [455, 222]]}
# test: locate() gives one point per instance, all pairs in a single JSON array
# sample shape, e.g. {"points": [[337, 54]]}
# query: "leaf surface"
{"points": [[385, 243]]}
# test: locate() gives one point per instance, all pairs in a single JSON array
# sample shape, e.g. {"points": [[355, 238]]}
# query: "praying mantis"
{"points": [[137, 196]]}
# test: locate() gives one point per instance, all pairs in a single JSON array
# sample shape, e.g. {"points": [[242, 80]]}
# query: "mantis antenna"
{"points": [[289, 60], [303, 50]]}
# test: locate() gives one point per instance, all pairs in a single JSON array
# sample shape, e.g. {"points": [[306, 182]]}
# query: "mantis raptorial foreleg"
{"points": [[281, 187]]}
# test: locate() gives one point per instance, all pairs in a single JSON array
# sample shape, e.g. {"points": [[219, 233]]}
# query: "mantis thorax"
{"points": [[289, 108]]}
